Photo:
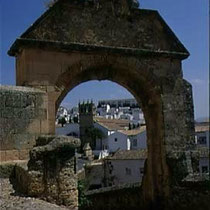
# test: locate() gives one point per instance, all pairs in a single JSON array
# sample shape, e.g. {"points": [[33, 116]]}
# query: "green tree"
{"points": [[82, 188], [75, 119], [93, 134]]}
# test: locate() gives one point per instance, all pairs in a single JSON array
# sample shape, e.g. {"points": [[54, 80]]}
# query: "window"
{"points": [[202, 140], [115, 139], [128, 171], [204, 169], [141, 171], [134, 142]]}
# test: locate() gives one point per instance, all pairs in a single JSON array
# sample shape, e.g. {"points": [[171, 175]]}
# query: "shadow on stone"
{"points": [[51, 171]]}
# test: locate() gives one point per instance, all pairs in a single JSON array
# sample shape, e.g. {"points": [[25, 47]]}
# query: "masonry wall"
{"points": [[194, 196], [94, 175], [51, 171], [23, 117], [179, 126], [178, 115], [123, 197]]}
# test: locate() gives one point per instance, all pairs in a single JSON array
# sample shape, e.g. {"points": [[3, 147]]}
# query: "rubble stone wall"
{"points": [[179, 127], [191, 195], [23, 117], [51, 171]]}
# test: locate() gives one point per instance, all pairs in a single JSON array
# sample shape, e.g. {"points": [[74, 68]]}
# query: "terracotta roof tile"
{"points": [[129, 155], [112, 124], [202, 127], [133, 132]]}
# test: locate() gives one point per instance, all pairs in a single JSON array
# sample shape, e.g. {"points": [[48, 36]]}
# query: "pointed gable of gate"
{"points": [[100, 23]]}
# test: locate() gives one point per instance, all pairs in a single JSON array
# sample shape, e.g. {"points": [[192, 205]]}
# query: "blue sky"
{"points": [[187, 18]]}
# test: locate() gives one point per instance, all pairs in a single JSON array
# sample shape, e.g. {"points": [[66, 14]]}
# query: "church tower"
{"points": [[86, 112]]}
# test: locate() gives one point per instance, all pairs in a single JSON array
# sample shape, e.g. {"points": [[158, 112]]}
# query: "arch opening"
{"points": [[146, 90], [120, 131]]}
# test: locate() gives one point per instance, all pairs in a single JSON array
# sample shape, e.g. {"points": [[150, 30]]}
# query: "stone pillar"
{"points": [[170, 136], [155, 183], [179, 128], [51, 170]]}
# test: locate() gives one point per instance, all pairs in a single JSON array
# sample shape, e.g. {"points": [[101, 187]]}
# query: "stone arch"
{"points": [[77, 41], [146, 89], [131, 80]]}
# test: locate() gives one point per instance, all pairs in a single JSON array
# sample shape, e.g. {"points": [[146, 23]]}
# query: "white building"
{"points": [[124, 167], [107, 112], [131, 102], [62, 113], [121, 109], [137, 138], [138, 116], [202, 142], [117, 136], [202, 134], [103, 110]]}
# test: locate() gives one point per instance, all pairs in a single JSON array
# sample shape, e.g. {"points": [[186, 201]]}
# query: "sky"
{"points": [[189, 19]]}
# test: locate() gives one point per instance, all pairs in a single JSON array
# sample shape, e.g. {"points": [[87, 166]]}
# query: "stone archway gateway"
{"points": [[78, 41]]}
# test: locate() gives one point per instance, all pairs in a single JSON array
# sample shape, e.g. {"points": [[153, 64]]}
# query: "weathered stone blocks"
{"points": [[51, 171], [78, 41], [22, 110]]}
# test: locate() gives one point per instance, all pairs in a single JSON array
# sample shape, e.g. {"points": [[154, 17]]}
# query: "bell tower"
{"points": [[86, 113]]}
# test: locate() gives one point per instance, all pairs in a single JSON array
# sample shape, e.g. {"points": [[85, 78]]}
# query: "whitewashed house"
{"points": [[131, 102], [202, 134], [202, 142], [107, 127], [118, 140], [103, 110], [137, 138], [138, 116], [107, 112], [121, 109], [62, 113], [117, 136], [124, 167], [119, 168]]}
